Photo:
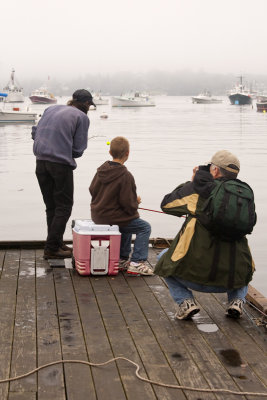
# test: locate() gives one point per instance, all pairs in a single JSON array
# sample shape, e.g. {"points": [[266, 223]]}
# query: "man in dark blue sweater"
{"points": [[60, 136]]}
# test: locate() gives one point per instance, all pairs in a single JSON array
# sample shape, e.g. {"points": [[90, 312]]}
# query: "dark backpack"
{"points": [[229, 212]]}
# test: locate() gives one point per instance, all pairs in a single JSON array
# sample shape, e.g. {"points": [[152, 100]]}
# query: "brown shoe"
{"points": [[65, 247], [57, 254]]}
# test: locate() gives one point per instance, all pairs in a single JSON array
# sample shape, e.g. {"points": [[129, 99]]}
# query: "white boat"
{"points": [[132, 100], [205, 98], [262, 98], [100, 100], [13, 90], [16, 115], [42, 96]]}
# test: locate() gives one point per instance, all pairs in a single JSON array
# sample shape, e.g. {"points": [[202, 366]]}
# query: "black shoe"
{"points": [[48, 254], [65, 247]]}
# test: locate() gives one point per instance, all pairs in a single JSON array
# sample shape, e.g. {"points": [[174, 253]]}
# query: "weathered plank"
{"points": [[107, 379], [8, 288], [22, 396], [206, 371], [120, 338], [51, 379], [154, 360], [24, 342], [257, 298], [240, 356], [78, 378]]}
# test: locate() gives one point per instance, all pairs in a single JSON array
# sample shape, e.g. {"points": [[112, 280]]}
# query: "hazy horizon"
{"points": [[68, 40]]}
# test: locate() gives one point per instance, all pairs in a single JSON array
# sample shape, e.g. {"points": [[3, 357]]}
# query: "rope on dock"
{"points": [[136, 373]]}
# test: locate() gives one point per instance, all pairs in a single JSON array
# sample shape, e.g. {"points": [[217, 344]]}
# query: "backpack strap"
{"points": [[231, 277], [215, 261]]}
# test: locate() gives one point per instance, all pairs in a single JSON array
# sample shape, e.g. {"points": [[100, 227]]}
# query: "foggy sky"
{"points": [[66, 39]]}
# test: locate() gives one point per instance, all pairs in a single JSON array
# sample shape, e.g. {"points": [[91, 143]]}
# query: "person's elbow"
{"points": [[77, 154]]}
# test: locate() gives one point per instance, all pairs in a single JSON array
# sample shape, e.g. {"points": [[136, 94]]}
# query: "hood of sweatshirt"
{"points": [[109, 171]]}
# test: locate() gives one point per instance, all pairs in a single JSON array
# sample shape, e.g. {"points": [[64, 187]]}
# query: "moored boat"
{"points": [[42, 96], [262, 106], [205, 98], [13, 90], [100, 100], [17, 115], [240, 94], [132, 100]]}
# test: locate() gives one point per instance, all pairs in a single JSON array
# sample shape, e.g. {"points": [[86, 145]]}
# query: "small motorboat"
{"points": [[132, 100], [16, 115], [42, 96], [100, 100], [262, 106], [205, 98]]}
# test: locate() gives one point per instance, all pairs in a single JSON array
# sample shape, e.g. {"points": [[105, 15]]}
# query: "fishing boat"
{"points": [[205, 98], [262, 106], [135, 99], [17, 115], [13, 90], [42, 96], [99, 100], [240, 94]]}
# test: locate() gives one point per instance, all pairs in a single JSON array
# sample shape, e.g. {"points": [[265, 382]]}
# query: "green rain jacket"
{"points": [[196, 255]]}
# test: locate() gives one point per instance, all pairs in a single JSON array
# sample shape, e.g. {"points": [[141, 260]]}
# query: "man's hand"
{"points": [[139, 200], [194, 172]]}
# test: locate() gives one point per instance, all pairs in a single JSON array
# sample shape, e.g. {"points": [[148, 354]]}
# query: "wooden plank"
{"points": [[107, 379], [51, 379], [24, 342], [8, 287], [247, 360], [22, 396], [257, 298], [2, 257], [78, 378], [195, 364], [153, 358], [120, 339]]}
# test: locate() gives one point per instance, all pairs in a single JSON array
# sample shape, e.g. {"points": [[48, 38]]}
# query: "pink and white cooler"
{"points": [[96, 248]]}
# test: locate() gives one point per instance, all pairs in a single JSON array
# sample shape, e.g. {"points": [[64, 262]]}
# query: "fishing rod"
{"points": [[162, 212]]}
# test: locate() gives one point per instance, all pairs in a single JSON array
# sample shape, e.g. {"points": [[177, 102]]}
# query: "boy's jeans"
{"points": [[142, 230], [180, 289]]}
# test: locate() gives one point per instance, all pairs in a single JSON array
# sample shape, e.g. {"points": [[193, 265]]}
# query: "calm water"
{"points": [[167, 141]]}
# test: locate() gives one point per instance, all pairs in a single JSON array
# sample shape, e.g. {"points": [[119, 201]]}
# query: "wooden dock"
{"points": [[51, 314]]}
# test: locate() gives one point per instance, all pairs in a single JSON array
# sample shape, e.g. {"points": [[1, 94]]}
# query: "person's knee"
{"points": [[147, 227]]}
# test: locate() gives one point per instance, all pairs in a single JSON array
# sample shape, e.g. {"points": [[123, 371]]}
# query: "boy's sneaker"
{"points": [[235, 308], [123, 264], [141, 268], [186, 309]]}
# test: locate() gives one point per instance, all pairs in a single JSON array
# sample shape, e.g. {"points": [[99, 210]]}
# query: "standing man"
{"points": [[60, 136]]}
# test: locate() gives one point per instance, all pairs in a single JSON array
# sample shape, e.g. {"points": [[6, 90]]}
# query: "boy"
{"points": [[115, 202]]}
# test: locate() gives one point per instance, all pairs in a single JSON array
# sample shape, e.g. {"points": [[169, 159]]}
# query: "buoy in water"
{"points": [[104, 116]]}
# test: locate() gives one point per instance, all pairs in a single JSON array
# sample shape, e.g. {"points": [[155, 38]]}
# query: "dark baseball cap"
{"points": [[82, 95]]}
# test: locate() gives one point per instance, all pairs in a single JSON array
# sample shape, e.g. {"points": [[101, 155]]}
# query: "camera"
{"points": [[204, 167]]}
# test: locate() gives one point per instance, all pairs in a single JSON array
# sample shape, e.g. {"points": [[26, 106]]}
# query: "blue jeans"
{"points": [[142, 230], [180, 289]]}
